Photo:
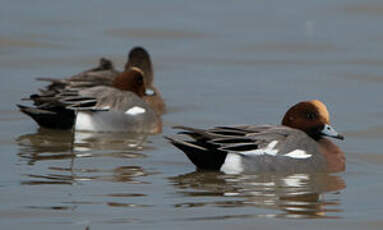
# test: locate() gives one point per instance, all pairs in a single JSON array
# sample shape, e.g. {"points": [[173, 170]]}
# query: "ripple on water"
{"points": [[7, 42], [364, 8], [48, 144], [69, 148], [294, 195], [154, 33], [125, 174], [375, 132]]}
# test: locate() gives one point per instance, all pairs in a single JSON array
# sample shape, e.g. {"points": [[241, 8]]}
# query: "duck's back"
{"points": [[116, 110], [250, 149]]}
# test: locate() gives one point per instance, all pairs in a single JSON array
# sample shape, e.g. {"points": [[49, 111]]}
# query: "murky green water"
{"points": [[216, 62]]}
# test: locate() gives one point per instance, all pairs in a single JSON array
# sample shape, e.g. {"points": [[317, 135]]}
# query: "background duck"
{"points": [[101, 108], [104, 75]]}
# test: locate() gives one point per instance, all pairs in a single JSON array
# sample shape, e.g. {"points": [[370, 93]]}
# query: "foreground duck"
{"points": [[115, 108], [298, 145], [105, 73]]}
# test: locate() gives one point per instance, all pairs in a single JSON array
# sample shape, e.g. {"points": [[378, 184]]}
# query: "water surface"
{"points": [[216, 63]]}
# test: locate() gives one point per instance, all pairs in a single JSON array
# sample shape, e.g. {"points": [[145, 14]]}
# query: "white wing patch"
{"points": [[297, 154], [268, 150], [104, 108], [232, 164], [135, 110]]}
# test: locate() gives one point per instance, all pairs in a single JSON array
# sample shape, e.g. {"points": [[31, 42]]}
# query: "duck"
{"points": [[115, 108], [105, 73], [300, 144], [139, 57]]}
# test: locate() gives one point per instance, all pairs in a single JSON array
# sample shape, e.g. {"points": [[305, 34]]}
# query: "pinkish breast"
{"points": [[333, 154]]}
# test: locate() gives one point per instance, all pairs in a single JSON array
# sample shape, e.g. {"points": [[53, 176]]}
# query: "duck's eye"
{"points": [[140, 81], [311, 116]]}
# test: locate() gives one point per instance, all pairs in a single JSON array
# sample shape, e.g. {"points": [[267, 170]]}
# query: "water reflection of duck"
{"points": [[48, 144], [297, 195], [71, 175], [68, 147], [299, 145]]}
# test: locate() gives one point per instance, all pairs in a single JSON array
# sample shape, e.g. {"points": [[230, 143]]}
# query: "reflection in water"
{"points": [[46, 145], [154, 33], [64, 145], [87, 141], [126, 174], [364, 8], [297, 195], [49, 144], [6, 41]]}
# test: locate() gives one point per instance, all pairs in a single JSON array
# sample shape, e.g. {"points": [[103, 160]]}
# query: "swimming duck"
{"points": [[300, 144], [105, 73], [116, 108]]}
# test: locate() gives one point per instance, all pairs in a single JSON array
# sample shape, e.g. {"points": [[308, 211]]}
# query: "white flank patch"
{"points": [[232, 164], [297, 154], [84, 121], [269, 150], [136, 110]]}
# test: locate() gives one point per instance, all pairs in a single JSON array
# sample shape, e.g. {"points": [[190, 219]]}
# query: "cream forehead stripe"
{"points": [[322, 109], [138, 70]]}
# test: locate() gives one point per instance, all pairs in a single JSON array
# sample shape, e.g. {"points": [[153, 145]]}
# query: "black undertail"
{"points": [[206, 159], [52, 118], [200, 150]]}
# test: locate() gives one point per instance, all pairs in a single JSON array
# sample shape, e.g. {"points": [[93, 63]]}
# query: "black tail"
{"points": [[53, 118], [202, 154]]}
